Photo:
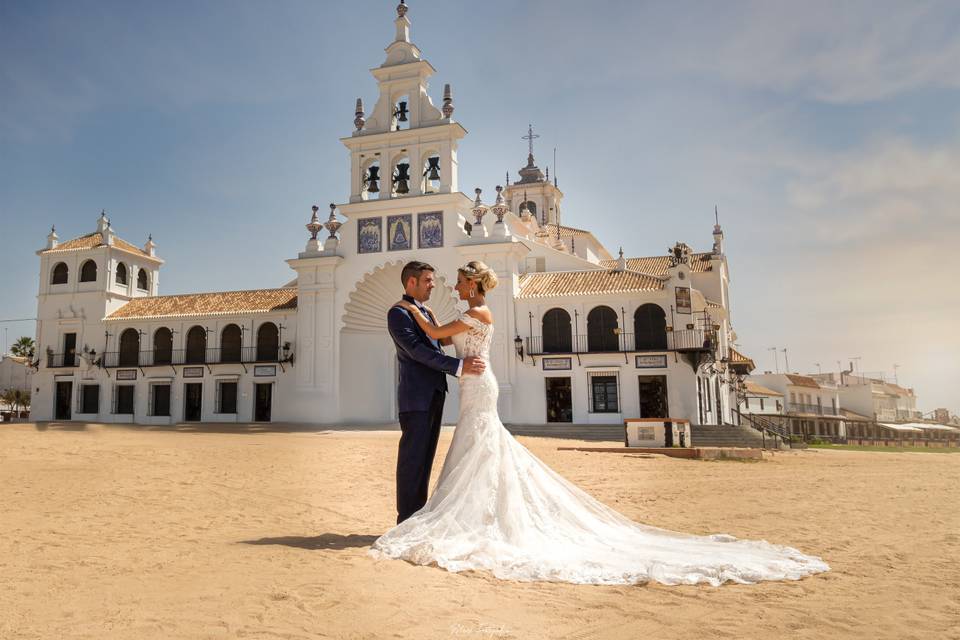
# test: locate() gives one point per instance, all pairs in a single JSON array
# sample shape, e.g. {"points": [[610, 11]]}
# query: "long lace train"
{"points": [[497, 507]]}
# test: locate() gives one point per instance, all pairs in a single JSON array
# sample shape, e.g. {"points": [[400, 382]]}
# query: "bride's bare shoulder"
{"points": [[481, 313]]}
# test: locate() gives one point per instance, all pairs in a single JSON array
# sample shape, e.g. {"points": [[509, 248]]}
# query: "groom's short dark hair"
{"points": [[413, 269]]}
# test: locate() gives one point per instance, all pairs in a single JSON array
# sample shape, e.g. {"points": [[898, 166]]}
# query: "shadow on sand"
{"points": [[60, 426], [323, 541]]}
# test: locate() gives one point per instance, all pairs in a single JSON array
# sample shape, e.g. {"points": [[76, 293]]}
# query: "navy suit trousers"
{"points": [[418, 445]]}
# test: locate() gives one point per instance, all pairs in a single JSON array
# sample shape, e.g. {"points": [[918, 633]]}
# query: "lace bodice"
{"points": [[476, 340]]}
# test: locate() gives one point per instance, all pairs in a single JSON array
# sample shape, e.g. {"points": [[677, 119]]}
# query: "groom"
{"points": [[423, 385]]}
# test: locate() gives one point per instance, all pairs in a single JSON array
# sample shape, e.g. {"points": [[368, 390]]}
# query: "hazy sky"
{"points": [[827, 134]]}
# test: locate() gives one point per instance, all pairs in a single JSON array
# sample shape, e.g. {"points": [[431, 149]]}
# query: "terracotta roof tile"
{"points": [[760, 390], [658, 265], [93, 240], [208, 304], [572, 283], [803, 381], [573, 232]]}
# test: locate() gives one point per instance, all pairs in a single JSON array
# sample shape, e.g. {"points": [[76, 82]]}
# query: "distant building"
{"points": [[942, 416], [760, 400], [810, 408], [873, 397]]}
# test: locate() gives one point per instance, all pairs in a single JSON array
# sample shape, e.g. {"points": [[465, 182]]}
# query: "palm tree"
{"points": [[24, 347]]}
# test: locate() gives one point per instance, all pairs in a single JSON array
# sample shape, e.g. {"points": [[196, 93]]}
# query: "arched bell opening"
{"points": [[370, 170], [431, 173], [401, 113], [400, 176]]}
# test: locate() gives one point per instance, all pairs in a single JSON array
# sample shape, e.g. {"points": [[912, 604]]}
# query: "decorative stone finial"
{"points": [[447, 101], [479, 209], [150, 247], [52, 239], [621, 264], [500, 208], [333, 225], [402, 8], [314, 225], [359, 120]]}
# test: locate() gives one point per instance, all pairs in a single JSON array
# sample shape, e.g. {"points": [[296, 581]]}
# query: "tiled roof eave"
{"points": [[207, 314], [571, 294]]}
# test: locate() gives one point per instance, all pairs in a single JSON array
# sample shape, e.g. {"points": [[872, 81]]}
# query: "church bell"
{"points": [[402, 178]]}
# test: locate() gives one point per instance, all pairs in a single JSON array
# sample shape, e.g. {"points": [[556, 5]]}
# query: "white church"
{"points": [[581, 336]]}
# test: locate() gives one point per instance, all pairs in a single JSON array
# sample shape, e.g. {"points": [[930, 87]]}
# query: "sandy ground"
{"points": [[133, 532]]}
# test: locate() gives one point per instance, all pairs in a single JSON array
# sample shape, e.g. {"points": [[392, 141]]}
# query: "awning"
{"points": [[935, 427], [899, 427]]}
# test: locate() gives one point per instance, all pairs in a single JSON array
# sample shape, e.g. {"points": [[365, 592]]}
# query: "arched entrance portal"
{"points": [[368, 360]]}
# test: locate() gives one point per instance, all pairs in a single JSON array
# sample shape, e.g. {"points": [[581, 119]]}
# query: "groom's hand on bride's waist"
{"points": [[473, 366]]}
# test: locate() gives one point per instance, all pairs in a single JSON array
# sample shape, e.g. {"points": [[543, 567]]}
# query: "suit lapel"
{"points": [[429, 316]]}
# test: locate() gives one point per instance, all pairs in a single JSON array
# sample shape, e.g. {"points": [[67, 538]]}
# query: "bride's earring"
{"points": [[473, 293]]}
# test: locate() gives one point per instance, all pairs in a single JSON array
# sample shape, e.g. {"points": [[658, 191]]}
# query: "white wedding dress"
{"points": [[497, 507]]}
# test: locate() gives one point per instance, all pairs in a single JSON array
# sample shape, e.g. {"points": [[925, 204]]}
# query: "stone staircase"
{"points": [[729, 435], [590, 432]]}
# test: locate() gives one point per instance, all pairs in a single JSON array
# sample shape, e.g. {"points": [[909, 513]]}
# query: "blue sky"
{"points": [[826, 133]]}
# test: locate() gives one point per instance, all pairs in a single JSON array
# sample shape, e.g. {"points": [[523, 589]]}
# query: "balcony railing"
{"points": [[161, 357], [59, 360], [815, 409], [686, 340]]}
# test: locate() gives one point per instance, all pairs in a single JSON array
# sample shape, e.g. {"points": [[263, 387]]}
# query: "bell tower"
{"points": [[533, 193], [406, 146]]}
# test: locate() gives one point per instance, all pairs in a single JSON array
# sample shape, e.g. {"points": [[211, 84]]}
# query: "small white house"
{"points": [[760, 400]]}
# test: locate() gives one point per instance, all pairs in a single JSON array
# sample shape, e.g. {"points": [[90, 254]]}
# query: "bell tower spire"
{"points": [[405, 146]]}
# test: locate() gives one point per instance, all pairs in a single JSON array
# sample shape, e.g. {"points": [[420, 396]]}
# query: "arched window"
{"points": [[163, 346], [556, 332], [650, 328], [129, 348], [196, 345], [142, 280], [601, 322], [230, 340], [121, 273], [60, 273], [88, 272], [531, 207], [268, 343]]}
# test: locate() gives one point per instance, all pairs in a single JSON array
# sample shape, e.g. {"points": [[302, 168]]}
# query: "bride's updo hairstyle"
{"points": [[480, 274]]}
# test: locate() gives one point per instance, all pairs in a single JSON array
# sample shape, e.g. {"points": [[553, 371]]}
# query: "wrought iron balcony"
{"points": [[686, 340], [611, 343], [799, 407], [167, 357], [61, 360]]}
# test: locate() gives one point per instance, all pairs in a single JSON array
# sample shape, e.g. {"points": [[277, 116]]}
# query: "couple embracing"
{"points": [[496, 506]]}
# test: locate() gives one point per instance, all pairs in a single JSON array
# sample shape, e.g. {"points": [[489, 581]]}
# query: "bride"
{"points": [[497, 507]]}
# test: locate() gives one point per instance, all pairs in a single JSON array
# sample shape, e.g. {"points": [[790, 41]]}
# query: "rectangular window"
{"points": [[761, 404], [603, 394], [706, 384], [226, 397], [160, 400], [793, 398], [90, 399], [123, 399]]}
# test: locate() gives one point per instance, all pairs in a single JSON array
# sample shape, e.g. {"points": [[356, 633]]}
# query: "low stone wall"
{"points": [[692, 453]]}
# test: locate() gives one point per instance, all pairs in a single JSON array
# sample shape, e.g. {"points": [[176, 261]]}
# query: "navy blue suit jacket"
{"points": [[423, 364]]}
